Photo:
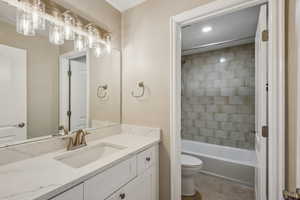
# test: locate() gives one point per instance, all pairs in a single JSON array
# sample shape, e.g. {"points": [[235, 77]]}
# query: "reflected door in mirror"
{"points": [[78, 89], [13, 94]]}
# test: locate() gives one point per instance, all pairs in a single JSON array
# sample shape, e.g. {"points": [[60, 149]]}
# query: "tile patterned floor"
{"points": [[213, 188]]}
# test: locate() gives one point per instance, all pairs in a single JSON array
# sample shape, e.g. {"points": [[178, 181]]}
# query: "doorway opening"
{"points": [[223, 95], [74, 98], [226, 104]]}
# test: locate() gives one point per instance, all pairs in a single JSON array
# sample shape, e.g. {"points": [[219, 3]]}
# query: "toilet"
{"points": [[190, 166]]}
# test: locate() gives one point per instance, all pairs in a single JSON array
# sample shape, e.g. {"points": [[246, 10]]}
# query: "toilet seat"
{"points": [[190, 161]]}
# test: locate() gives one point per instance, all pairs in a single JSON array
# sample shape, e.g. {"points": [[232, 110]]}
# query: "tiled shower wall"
{"points": [[218, 101]]}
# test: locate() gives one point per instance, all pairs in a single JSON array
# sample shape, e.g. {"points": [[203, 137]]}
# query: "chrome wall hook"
{"points": [[102, 91], [142, 93]]}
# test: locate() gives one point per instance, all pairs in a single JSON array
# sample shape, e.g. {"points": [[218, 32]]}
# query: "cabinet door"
{"points": [[101, 186], [76, 193], [141, 188]]}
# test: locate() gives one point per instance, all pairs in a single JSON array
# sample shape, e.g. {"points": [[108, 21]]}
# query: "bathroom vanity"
{"points": [[120, 166]]}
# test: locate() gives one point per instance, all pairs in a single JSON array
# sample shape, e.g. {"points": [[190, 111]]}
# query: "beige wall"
{"points": [[291, 92], [42, 79], [146, 57], [106, 70]]}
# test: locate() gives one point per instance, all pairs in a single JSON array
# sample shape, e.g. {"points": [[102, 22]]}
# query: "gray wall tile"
{"points": [[218, 98]]}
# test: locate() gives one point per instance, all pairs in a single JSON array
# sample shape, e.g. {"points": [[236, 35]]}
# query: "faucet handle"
{"points": [[83, 138], [66, 131]]}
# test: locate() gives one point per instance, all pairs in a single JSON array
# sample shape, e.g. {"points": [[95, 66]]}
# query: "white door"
{"points": [[261, 63], [13, 94], [78, 95]]}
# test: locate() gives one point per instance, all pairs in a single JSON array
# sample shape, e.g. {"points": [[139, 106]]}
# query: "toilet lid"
{"points": [[187, 160]]}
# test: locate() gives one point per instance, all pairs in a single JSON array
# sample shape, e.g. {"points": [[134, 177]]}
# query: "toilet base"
{"points": [[188, 186]]}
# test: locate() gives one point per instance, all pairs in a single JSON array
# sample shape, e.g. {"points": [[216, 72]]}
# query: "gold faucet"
{"points": [[79, 141]]}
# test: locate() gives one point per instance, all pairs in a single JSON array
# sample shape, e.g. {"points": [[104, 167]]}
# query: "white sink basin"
{"points": [[87, 155]]}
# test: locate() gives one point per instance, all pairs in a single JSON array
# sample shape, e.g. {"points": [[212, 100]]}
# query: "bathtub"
{"points": [[233, 164]]}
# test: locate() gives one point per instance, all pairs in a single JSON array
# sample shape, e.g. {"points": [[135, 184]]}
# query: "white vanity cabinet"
{"points": [[104, 184], [133, 179], [145, 185]]}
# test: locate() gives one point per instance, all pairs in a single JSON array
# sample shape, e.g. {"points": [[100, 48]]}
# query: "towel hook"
{"points": [[142, 86], [102, 91]]}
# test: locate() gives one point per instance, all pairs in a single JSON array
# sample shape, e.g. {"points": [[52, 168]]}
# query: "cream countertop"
{"points": [[43, 177]]}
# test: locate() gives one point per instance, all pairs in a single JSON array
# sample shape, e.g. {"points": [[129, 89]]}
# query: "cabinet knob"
{"points": [[122, 196], [148, 159]]}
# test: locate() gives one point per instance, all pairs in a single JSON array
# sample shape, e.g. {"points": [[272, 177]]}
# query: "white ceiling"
{"points": [[123, 5], [240, 24]]}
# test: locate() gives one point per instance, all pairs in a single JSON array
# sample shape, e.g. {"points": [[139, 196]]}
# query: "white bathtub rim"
{"points": [[214, 145], [251, 162], [244, 163]]}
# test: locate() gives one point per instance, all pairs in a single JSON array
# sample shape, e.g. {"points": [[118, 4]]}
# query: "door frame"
{"points": [[297, 23], [64, 98], [276, 87]]}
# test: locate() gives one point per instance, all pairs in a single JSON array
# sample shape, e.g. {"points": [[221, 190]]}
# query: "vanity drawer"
{"points": [[145, 160], [75, 193], [104, 184]]}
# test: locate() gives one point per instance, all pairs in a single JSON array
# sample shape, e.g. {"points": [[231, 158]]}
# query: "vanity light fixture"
{"points": [[98, 50], [56, 32], [38, 7], [25, 24], [79, 42], [93, 35], [69, 23], [108, 43], [206, 29], [32, 16]]}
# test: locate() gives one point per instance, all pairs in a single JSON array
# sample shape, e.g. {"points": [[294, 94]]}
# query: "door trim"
{"points": [[63, 98], [297, 21], [276, 80]]}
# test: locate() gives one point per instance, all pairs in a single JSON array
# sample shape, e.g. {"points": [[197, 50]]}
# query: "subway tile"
{"points": [[221, 134], [236, 100], [218, 102], [212, 124], [212, 108], [221, 117], [243, 91], [229, 109], [228, 126], [228, 92], [212, 92]]}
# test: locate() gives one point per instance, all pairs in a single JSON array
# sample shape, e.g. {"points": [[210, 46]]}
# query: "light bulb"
{"points": [[206, 29], [56, 32], [93, 35], [38, 7], [69, 22], [25, 23], [222, 60], [79, 43], [108, 43], [98, 50]]}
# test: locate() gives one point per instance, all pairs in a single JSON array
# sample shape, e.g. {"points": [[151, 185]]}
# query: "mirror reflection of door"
{"points": [[78, 93], [13, 94]]}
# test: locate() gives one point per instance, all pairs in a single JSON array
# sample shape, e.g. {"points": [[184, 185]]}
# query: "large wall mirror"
{"points": [[46, 87]]}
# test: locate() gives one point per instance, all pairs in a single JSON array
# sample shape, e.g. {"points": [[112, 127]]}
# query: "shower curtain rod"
{"points": [[219, 43]]}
